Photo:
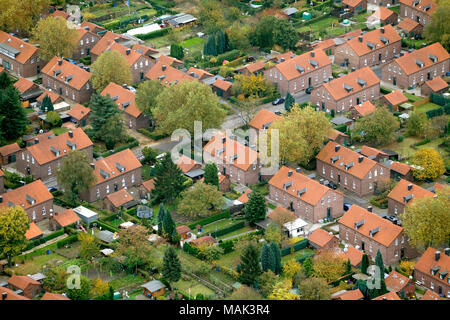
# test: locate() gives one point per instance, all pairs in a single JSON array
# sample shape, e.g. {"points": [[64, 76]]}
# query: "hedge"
{"points": [[70, 239], [229, 229], [439, 99], [190, 249], [385, 90], [223, 215], [435, 112], [43, 240], [152, 135], [153, 34], [130, 145], [296, 247], [227, 246], [106, 226], [342, 128]]}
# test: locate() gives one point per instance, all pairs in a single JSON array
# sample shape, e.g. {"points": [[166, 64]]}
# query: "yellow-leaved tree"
{"points": [[281, 291], [430, 164], [100, 288], [111, 66], [328, 265], [291, 268], [14, 224], [21, 15]]}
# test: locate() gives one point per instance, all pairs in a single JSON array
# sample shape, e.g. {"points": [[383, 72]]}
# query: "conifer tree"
{"points": [[161, 214], [379, 263], [364, 263], [171, 266], [220, 42], [12, 114], [5, 80], [250, 267], [267, 258], [308, 266], [211, 174], [47, 104], [255, 208], [288, 102], [102, 108], [277, 256], [169, 180], [168, 225]]}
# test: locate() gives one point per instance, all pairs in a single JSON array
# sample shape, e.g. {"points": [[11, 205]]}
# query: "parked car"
{"points": [[394, 220], [332, 185], [52, 189], [277, 101], [308, 90], [347, 206]]}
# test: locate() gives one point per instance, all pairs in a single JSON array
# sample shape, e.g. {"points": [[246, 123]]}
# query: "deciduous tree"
{"points": [[146, 95], [282, 291], [89, 247], [21, 15], [245, 293], [201, 200], [314, 289], [134, 246], [291, 268], [328, 266], [438, 30], [13, 226], [429, 164], [111, 66], [266, 282], [377, 128]]}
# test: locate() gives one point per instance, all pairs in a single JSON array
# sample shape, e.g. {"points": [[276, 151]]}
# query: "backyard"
{"points": [[297, 255]]}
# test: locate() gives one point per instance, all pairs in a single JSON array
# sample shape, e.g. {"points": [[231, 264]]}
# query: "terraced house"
{"points": [[67, 80], [19, 57], [403, 194], [418, 10], [349, 169], [167, 75], [86, 41], [368, 232], [43, 158], [125, 99], [233, 159], [342, 94], [121, 170], [307, 198], [34, 198], [413, 69], [369, 49], [301, 72]]}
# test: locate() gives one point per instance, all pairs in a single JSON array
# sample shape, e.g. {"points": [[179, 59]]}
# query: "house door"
{"points": [[394, 81], [440, 290], [291, 206], [60, 91], [358, 101], [339, 178], [323, 105], [88, 51], [115, 187], [83, 122], [309, 82], [38, 69], [363, 247], [141, 76], [379, 57], [429, 76], [9, 159], [224, 170], [402, 253], [329, 212], [418, 19]]}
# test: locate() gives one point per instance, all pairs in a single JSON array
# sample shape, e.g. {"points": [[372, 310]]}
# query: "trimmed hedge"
{"points": [[152, 135], [224, 214], [229, 229], [153, 34], [190, 249], [106, 226], [227, 246], [296, 246], [43, 240], [70, 239], [439, 99], [435, 112], [385, 90]]}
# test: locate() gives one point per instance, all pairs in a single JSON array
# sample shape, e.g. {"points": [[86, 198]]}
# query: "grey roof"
{"points": [[340, 120], [264, 223], [106, 236], [290, 11], [144, 212], [195, 173], [180, 18], [37, 276], [209, 81], [153, 285]]}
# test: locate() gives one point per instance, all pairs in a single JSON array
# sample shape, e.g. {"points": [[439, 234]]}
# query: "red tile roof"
{"points": [[149, 185], [346, 156], [217, 148], [382, 13], [286, 56], [119, 198], [264, 118], [183, 229], [80, 76], [313, 190], [280, 210], [388, 296], [26, 49], [350, 295], [169, 60], [23, 85], [400, 191], [130, 55], [408, 25], [186, 164], [66, 218], [54, 97], [199, 73], [396, 281], [124, 96], [9, 149], [203, 240], [168, 76], [125, 158], [421, 5], [43, 154], [368, 151], [333, 134], [361, 47], [92, 26], [33, 231], [244, 197], [22, 282], [53, 296], [145, 50], [336, 86], [431, 295], [365, 108], [437, 84], [320, 237], [10, 295], [105, 42], [59, 13], [253, 67], [408, 62], [427, 261], [387, 233], [36, 190], [396, 98], [352, 3], [288, 68], [354, 255], [222, 85], [399, 167], [79, 112]]}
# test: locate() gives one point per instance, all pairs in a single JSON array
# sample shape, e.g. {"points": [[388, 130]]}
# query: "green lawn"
{"points": [[297, 255], [426, 107], [230, 260], [60, 130], [234, 233], [434, 144], [191, 42], [403, 148], [37, 263], [126, 281], [319, 25], [412, 97], [217, 225], [262, 187], [195, 286]]}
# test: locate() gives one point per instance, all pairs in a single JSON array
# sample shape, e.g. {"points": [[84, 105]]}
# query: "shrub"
{"points": [[227, 246], [70, 239], [400, 138]]}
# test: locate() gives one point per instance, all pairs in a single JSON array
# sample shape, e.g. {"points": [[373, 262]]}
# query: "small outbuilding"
{"points": [[88, 216], [153, 289]]}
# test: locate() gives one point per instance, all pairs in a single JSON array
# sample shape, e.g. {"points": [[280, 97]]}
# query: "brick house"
{"points": [[297, 74], [8, 294], [384, 16], [355, 6], [54, 98], [224, 182], [222, 88], [385, 3], [401, 171], [401, 285], [436, 85], [431, 295], [116, 200], [374, 154], [67, 80], [354, 255], [187, 164], [418, 10], [146, 51], [146, 188], [53, 296], [370, 48], [184, 231], [348, 295], [8, 153], [361, 110], [34, 198], [431, 271], [105, 42], [19, 57], [369, 232], [92, 27], [43, 159], [115, 172], [2, 182], [393, 100], [29, 91], [403, 194], [63, 219], [320, 239], [388, 296], [33, 232], [86, 41], [263, 119], [79, 115], [125, 99], [413, 69], [199, 73], [349, 169], [29, 286], [307, 198], [252, 68], [233, 159], [167, 74], [329, 45], [338, 137], [170, 61], [410, 28], [343, 93]]}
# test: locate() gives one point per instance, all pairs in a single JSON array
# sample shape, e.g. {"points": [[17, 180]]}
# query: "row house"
{"points": [[146, 51], [373, 154], [67, 80], [233, 159], [106, 41], [306, 197], [263, 119], [8, 153], [384, 3], [167, 75], [355, 6], [338, 137], [79, 115], [370, 48], [432, 271], [400, 284], [86, 40], [418, 10], [394, 100], [403, 194], [252, 68], [170, 61], [94, 28], [43, 159], [19, 57], [125, 100], [2, 182], [199, 73], [34, 198], [121, 170], [383, 16], [350, 169], [28, 90], [329, 45], [410, 28], [320, 239], [282, 57], [369, 233], [362, 110], [343, 93], [413, 69], [400, 170], [301, 72]]}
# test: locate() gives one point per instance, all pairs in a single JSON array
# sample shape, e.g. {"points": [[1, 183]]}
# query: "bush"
{"points": [[153, 34], [385, 90], [434, 113], [229, 229], [190, 249], [227, 246], [70, 239], [106, 226], [400, 138], [152, 135]]}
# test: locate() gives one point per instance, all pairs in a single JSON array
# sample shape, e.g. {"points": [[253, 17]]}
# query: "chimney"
{"points": [[447, 251], [298, 170], [360, 39], [164, 67], [312, 53], [70, 134], [410, 186], [4, 295], [437, 255], [360, 159], [93, 166], [382, 30], [289, 173], [336, 148], [36, 140], [369, 208], [128, 52], [1, 199], [59, 62]]}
